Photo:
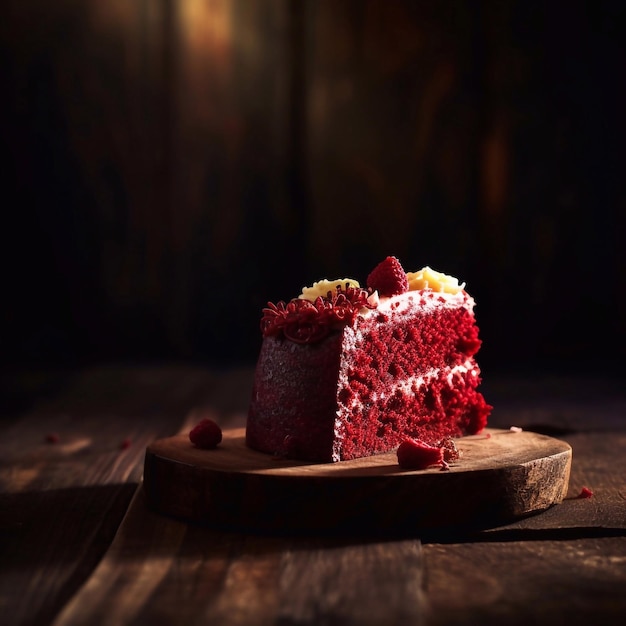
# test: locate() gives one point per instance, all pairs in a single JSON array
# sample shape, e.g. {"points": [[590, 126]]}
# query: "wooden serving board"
{"points": [[501, 476]]}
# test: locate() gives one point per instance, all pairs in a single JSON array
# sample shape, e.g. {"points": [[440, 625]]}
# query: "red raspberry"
{"points": [[205, 434], [416, 455], [388, 278]]}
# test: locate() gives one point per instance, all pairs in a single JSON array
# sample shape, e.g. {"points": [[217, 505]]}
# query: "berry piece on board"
{"points": [[416, 455], [205, 434], [388, 278]]}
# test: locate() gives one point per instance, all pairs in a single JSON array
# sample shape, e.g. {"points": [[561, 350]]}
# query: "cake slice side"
{"points": [[409, 372], [293, 406]]}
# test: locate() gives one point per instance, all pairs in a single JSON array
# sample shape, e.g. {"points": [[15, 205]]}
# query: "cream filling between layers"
{"points": [[408, 385]]}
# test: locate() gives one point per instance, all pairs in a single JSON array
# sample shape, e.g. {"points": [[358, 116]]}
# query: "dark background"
{"points": [[168, 167]]}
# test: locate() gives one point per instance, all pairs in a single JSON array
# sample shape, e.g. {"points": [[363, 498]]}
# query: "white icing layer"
{"points": [[408, 385], [425, 301]]}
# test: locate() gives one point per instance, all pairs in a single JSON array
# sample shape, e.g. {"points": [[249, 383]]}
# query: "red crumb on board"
{"points": [[414, 454], [205, 434]]}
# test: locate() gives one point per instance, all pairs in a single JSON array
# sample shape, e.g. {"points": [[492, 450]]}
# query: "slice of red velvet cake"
{"points": [[346, 372]]}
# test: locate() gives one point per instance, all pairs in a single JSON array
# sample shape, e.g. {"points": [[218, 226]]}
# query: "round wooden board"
{"points": [[501, 476]]}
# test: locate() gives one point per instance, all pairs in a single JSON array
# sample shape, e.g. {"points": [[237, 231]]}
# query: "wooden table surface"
{"points": [[79, 546]]}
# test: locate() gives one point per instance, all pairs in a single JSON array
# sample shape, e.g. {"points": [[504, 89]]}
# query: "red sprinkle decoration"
{"points": [[388, 278], [416, 455], [125, 444], [52, 438], [303, 321], [206, 434], [585, 492]]}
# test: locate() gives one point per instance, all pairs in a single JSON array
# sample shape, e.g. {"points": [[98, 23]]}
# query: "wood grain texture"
{"points": [[501, 476], [566, 566], [163, 571], [61, 503], [316, 583]]}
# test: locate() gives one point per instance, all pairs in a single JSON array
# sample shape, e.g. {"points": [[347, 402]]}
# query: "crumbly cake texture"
{"points": [[356, 371]]}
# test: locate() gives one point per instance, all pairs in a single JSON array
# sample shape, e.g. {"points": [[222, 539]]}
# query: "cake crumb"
{"points": [[515, 429], [450, 451], [206, 434], [585, 492], [414, 454]]}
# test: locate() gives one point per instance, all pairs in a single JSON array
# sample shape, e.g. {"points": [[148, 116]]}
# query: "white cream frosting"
{"points": [[322, 287], [428, 278], [426, 300]]}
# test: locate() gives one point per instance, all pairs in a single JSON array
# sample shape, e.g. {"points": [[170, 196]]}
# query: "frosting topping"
{"points": [[427, 278], [303, 321], [329, 304], [322, 288]]}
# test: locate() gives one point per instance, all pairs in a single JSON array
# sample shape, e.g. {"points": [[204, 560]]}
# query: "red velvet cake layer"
{"points": [[405, 369]]}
